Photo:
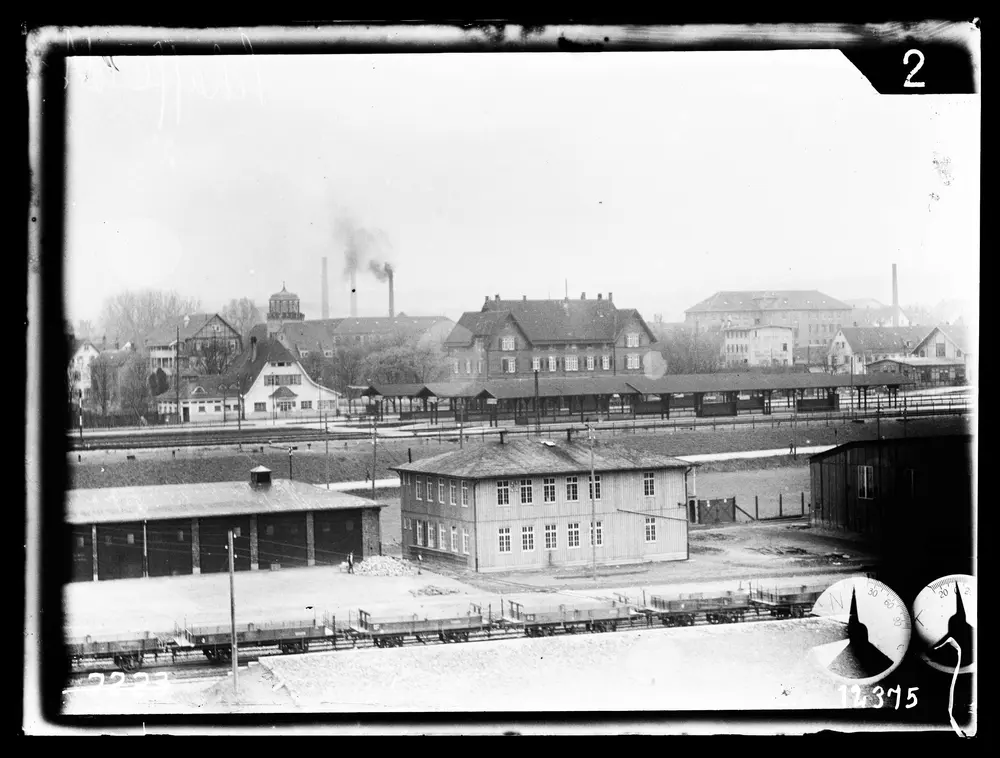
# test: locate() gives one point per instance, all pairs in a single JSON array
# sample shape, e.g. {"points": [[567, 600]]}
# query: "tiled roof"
{"points": [[175, 501], [282, 392], [751, 381], [526, 457], [544, 321], [167, 334], [210, 383], [770, 300], [321, 334], [884, 339]]}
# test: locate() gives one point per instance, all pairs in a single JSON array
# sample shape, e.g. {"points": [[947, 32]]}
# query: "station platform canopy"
{"points": [[671, 384]]}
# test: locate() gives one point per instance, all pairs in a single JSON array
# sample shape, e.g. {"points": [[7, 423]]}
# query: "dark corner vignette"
{"points": [[53, 545]]}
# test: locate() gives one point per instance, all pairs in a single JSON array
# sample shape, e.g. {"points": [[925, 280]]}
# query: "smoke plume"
{"points": [[380, 270], [363, 245]]}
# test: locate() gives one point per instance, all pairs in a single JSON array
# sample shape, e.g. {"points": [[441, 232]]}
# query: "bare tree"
{"points": [[212, 357], [130, 315], [347, 367], [133, 386], [242, 315], [103, 383]]}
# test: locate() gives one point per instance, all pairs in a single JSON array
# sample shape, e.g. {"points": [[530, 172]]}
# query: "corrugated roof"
{"points": [[530, 457], [770, 300], [884, 339], [176, 501]]}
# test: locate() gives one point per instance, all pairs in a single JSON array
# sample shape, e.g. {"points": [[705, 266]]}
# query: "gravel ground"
{"points": [[257, 694], [748, 666]]}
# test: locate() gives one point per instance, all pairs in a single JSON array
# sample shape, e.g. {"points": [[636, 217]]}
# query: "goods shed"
{"points": [[913, 497], [132, 532]]}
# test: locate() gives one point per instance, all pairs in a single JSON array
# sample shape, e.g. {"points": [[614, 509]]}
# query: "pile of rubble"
{"points": [[383, 565]]}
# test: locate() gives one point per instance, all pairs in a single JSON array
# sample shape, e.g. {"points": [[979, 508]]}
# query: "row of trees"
{"points": [[392, 360]]}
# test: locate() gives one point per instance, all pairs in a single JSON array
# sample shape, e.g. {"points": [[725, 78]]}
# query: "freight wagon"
{"points": [[545, 623], [394, 632], [127, 651], [216, 642]]}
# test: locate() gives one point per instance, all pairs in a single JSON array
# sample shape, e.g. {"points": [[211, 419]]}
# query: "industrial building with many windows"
{"points": [[527, 504]]}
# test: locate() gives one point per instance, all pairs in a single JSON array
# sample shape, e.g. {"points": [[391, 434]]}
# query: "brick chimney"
{"points": [[610, 295], [583, 295]]}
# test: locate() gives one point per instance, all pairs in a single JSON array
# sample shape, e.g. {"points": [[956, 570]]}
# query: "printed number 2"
{"points": [[920, 63]]}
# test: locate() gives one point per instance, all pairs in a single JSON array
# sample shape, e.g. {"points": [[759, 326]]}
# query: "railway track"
{"points": [[192, 664], [292, 435]]}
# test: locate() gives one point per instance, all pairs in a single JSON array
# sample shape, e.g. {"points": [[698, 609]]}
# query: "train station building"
{"points": [[526, 504], [133, 532]]}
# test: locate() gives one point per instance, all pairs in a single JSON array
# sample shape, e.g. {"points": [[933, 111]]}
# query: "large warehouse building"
{"points": [[526, 504], [913, 496], [132, 532]]}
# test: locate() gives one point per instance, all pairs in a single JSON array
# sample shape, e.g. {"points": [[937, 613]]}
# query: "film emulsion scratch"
{"points": [[640, 378]]}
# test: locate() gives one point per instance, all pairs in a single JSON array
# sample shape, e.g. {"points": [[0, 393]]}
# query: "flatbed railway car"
{"points": [[568, 619], [686, 610], [394, 632], [215, 642], [127, 652], [785, 602]]}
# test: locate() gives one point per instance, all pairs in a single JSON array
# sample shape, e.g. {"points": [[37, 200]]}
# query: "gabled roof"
{"points": [[884, 339], [768, 300], [526, 457], [544, 321], [244, 370], [167, 334], [959, 335], [282, 392]]}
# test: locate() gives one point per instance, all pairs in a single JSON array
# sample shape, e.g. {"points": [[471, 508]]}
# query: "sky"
{"points": [[660, 177]]}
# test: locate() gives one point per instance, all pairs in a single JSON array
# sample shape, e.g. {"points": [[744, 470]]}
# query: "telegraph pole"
{"points": [[326, 435], [232, 609], [374, 449], [593, 503]]}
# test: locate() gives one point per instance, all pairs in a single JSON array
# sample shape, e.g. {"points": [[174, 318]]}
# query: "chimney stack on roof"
{"points": [[524, 298], [609, 297], [260, 477], [497, 298], [600, 296], [583, 295]]}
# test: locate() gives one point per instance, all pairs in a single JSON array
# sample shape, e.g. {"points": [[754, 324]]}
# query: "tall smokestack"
{"points": [[354, 293], [895, 298], [326, 293], [392, 307]]}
